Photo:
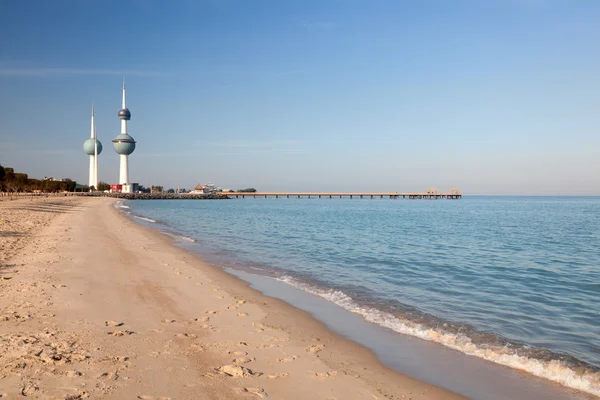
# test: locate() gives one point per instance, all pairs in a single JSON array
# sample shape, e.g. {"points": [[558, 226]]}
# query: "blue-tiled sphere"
{"points": [[88, 146], [124, 114], [124, 144]]}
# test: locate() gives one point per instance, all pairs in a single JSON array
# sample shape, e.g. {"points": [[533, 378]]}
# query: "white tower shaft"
{"points": [[124, 169], [92, 172], [93, 158]]}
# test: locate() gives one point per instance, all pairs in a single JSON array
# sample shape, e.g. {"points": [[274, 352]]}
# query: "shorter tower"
{"points": [[124, 144], [92, 147]]}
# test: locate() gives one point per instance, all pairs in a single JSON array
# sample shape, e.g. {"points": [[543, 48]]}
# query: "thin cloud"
{"points": [[45, 72]]}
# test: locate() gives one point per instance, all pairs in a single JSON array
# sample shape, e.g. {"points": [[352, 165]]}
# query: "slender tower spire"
{"points": [[124, 144], [93, 148], [123, 105]]}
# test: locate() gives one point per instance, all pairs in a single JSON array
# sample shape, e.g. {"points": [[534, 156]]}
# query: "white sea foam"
{"points": [[144, 219], [185, 238], [553, 370], [120, 204]]}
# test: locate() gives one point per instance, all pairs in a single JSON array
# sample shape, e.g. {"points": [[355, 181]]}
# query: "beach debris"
{"points": [[187, 335], [121, 333], [77, 396], [315, 348], [242, 314], [113, 323], [237, 371]]}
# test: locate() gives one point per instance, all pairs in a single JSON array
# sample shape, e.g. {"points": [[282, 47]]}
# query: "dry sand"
{"points": [[93, 305]]}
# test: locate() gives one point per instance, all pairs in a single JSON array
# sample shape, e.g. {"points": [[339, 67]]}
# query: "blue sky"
{"points": [[492, 97]]}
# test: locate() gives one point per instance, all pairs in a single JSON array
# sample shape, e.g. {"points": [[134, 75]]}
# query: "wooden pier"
{"points": [[428, 195]]}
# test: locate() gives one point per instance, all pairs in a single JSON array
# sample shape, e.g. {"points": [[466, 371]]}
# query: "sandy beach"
{"points": [[92, 305]]}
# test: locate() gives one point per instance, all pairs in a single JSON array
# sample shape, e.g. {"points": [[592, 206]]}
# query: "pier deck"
{"points": [[392, 195]]}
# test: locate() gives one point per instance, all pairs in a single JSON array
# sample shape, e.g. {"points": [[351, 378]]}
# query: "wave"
{"points": [[185, 238], [121, 204], [144, 219], [584, 379]]}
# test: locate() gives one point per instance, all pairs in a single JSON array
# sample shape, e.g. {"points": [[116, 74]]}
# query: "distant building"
{"points": [[210, 188], [199, 189], [131, 188], [124, 188]]}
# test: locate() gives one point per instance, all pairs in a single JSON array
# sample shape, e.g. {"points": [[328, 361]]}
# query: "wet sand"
{"points": [[93, 305]]}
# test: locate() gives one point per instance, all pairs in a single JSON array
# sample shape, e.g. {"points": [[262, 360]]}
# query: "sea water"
{"points": [[512, 280]]}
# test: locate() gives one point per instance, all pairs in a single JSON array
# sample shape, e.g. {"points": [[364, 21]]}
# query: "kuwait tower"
{"points": [[124, 144], [93, 148]]}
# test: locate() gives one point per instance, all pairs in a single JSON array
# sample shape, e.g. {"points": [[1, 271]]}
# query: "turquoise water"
{"points": [[514, 280]]}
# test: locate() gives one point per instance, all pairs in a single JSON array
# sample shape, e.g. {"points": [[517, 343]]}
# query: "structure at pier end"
{"points": [[124, 145]]}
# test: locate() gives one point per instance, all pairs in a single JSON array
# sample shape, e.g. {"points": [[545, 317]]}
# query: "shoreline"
{"points": [[527, 378], [126, 314]]}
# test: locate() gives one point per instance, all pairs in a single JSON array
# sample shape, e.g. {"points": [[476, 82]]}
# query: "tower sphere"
{"points": [[88, 146], [124, 144], [124, 114]]}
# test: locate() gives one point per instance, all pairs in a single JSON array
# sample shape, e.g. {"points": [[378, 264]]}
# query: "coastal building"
{"points": [[199, 189], [92, 147], [124, 145], [128, 188], [211, 188]]}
